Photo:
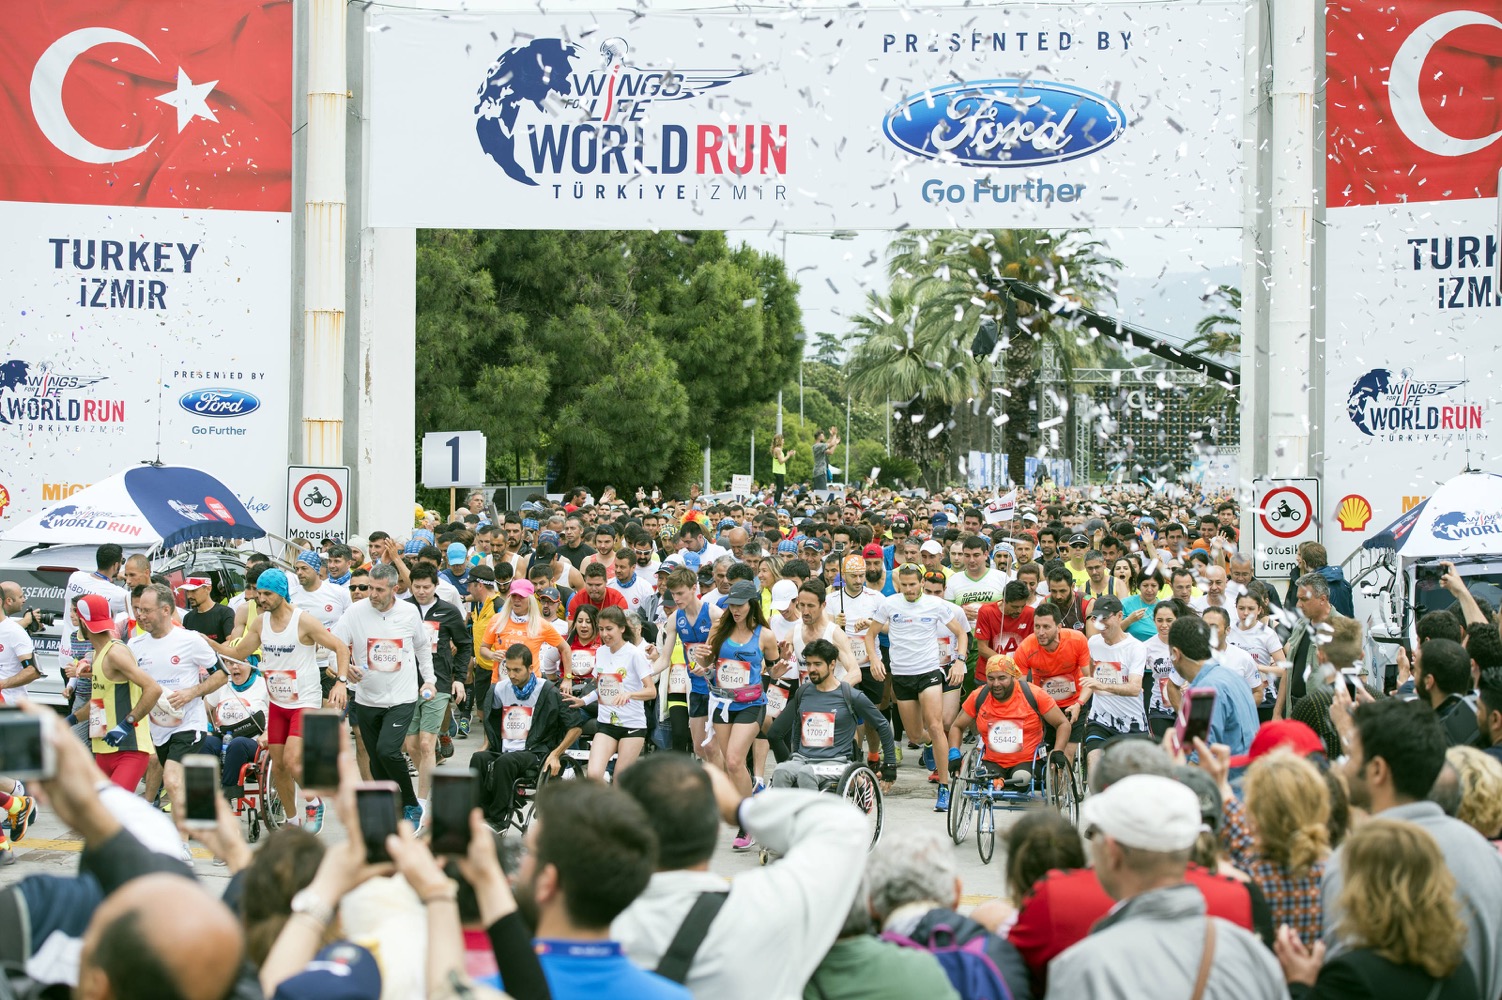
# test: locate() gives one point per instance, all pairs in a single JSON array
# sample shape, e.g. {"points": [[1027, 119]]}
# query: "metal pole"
{"points": [[323, 239], [800, 382], [706, 463], [779, 408], [753, 454], [847, 441], [888, 404]]}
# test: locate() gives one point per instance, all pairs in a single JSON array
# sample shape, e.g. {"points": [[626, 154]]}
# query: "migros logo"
{"points": [[61, 491]]}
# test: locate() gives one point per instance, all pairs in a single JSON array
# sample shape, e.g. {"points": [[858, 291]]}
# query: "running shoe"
{"points": [[941, 804], [933, 776], [911, 745], [7, 856], [927, 756], [413, 815], [411, 765], [23, 813], [743, 841], [463, 729], [899, 753], [759, 786], [445, 748], [314, 816]]}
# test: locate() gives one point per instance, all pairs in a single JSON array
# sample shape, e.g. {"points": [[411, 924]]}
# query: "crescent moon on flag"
{"points": [[47, 94], [1403, 86]]}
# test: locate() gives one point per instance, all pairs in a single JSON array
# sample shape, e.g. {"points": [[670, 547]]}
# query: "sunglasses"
{"points": [[356, 589]]}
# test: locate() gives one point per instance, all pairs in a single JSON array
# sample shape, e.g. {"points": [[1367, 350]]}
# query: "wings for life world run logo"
{"points": [[36, 396], [1460, 525], [1407, 408], [542, 118]]}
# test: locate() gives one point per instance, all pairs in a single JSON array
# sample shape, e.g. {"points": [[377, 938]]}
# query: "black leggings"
{"points": [[682, 739]]}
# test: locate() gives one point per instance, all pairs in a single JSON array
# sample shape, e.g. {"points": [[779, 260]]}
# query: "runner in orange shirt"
{"points": [[521, 622], [1055, 659], [1009, 716]]}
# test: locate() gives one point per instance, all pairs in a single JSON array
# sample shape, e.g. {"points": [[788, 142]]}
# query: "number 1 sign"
{"points": [[453, 458]]}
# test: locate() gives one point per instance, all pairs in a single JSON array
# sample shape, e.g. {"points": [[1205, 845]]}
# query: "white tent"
{"points": [[1462, 519]]}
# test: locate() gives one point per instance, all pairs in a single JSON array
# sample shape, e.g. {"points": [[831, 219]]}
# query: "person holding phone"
{"points": [[1234, 721]]}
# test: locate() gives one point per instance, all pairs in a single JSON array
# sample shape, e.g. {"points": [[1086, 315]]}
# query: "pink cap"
{"points": [[193, 583], [523, 587]]}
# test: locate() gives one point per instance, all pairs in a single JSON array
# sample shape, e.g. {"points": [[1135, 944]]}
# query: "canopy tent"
{"points": [[145, 507], [1462, 518]]}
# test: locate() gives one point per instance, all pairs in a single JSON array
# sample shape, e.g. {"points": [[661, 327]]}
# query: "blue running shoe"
{"points": [[313, 816], [463, 729], [413, 815], [927, 756], [941, 804], [954, 757]]}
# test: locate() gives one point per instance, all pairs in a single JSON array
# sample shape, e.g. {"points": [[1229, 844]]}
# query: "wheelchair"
{"points": [[524, 791], [976, 792], [856, 783], [259, 805]]}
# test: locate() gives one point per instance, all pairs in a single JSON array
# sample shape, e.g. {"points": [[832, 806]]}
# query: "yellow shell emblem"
{"points": [[1354, 513]]}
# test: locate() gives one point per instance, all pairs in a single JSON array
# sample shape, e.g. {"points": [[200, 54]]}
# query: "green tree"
{"points": [[961, 277], [1217, 334], [829, 348]]}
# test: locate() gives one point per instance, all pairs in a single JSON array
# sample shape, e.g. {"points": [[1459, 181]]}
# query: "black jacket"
{"points": [[448, 661], [1362, 974]]}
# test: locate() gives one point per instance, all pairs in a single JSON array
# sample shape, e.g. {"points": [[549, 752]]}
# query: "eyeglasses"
{"points": [[353, 589]]}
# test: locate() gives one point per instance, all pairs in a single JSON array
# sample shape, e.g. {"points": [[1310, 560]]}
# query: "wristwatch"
{"points": [[130, 719], [309, 904]]}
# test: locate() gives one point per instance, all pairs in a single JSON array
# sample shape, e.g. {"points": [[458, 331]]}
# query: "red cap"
{"points": [[872, 551], [193, 583], [1290, 733], [94, 612]]}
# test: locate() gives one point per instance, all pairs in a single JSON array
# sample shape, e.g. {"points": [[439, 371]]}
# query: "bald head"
{"points": [[12, 597], [137, 571], [160, 937]]}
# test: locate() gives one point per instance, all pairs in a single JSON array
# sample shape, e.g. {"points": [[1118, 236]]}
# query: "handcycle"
{"points": [[857, 783], [977, 790]]}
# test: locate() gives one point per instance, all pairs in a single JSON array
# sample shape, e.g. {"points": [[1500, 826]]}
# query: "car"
{"points": [[42, 573]]}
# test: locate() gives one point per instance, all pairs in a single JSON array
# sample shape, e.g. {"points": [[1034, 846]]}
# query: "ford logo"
{"points": [[1004, 123], [219, 403]]}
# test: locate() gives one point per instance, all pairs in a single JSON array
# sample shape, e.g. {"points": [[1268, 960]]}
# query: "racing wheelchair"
{"points": [[857, 783], [977, 790]]}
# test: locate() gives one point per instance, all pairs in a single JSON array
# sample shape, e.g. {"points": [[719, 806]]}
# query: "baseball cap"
{"points": [[457, 553], [1145, 811], [783, 593], [854, 564], [1107, 605], [94, 612], [549, 594], [939, 519], [814, 543], [1079, 538], [274, 579], [341, 971], [669, 564], [1290, 733], [932, 547], [312, 559], [741, 592], [523, 587], [872, 551], [193, 583]]}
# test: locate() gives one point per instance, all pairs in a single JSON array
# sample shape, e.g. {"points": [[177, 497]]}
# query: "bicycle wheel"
{"points": [[859, 786], [961, 805], [1061, 792], [273, 814], [985, 830]]}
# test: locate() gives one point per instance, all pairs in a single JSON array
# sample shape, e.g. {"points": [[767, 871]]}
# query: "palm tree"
{"points": [[1217, 334], [902, 355], [961, 277]]}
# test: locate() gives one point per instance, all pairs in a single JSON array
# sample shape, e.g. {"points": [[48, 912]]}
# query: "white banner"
{"points": [[1036, 115], [138, 333]]}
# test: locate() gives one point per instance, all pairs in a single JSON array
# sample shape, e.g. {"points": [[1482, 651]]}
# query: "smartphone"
{"points": [[1194, 716], [1429, 573], [454, 795], [200, 791], [320, 750], [378, 804], [1352, 679], [26, 750]]}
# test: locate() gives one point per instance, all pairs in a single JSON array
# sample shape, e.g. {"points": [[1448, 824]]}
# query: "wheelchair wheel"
{"points": [[273, 814], [859, 787], [522, 812], [252, 826], [985, 829], [962, 805], [1061, 792]]}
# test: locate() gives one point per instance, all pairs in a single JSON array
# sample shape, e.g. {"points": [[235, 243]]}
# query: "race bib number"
{"points": [[678, 679], [1059, 687], [384, 655], [1107, 673], [433, 634], [98, 723], [946, 649], [516, 722], [611, 689], [582, 663], [282, 685], [818, 729], [734, 674], [777, 700], [1004, 736], [232, 712], [862, 655], [162, 713]]}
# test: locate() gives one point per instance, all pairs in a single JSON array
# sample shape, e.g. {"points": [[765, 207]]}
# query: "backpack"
{"points": [[971, 971], [1027, 692]]}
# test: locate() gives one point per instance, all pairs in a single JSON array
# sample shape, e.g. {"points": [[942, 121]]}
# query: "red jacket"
{"points": [[1064, 905]]}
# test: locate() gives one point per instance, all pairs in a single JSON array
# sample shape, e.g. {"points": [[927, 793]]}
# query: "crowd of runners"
{"points": [[1324, 829]]}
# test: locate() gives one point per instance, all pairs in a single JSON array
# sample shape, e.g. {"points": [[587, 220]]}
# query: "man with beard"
{"points": [[1489, 711], [1395, 751], [589, 851]]}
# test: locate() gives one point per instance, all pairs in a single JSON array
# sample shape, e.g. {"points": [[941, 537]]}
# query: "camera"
{"points": [[1429, 573], [39, 619]]}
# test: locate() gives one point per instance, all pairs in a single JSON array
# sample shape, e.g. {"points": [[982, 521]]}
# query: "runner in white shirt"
{"points": [[913, 621], [75, 652], [181, 661], [1114, 686], [1163, 705], [935, 585], [624, 680], [814, 624], [1250, 633], [325, 601], [636, 585], [1233, 658], [848, 604], [391, 661], [17, 652], [288, 640]]}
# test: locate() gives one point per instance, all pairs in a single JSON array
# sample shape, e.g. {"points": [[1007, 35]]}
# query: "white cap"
{"points": [[1145, 811], [783, 593], [932, 548]]}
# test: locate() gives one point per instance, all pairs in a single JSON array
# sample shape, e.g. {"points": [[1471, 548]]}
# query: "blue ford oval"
{"points": [[219, 403], [1004, 123]]}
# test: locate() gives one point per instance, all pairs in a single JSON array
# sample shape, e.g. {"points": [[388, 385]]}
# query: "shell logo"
{"points": [[4, 498], [1354, 512]]}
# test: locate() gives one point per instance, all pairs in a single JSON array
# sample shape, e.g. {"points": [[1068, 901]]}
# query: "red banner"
{"points": [[1412, 108], [180, 104]]}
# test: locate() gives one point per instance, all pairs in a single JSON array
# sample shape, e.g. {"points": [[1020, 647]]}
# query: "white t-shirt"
{"points": [[1239, 661], [962, 590], [636, 592], [1259, 641], [948, 644], [913, 629], [861, 607], [79, 583], [327, 604], [392, 648], [228, 707], [1121, 663], [15, 646], [1160, 662], [178, 660], [622, 672]]}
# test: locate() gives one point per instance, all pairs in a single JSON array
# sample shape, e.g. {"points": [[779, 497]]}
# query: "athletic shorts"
{"points": [[1099, 733], [284, 722], [428, 716], [871, 687], [745, 717], [1076, 733], [907, 688], [179, 745], [698, 705], [619, 733], [948, 687]]}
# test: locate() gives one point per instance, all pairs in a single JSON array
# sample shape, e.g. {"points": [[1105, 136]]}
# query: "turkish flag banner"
{"points": [[1411, 106], [154, 103]]}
